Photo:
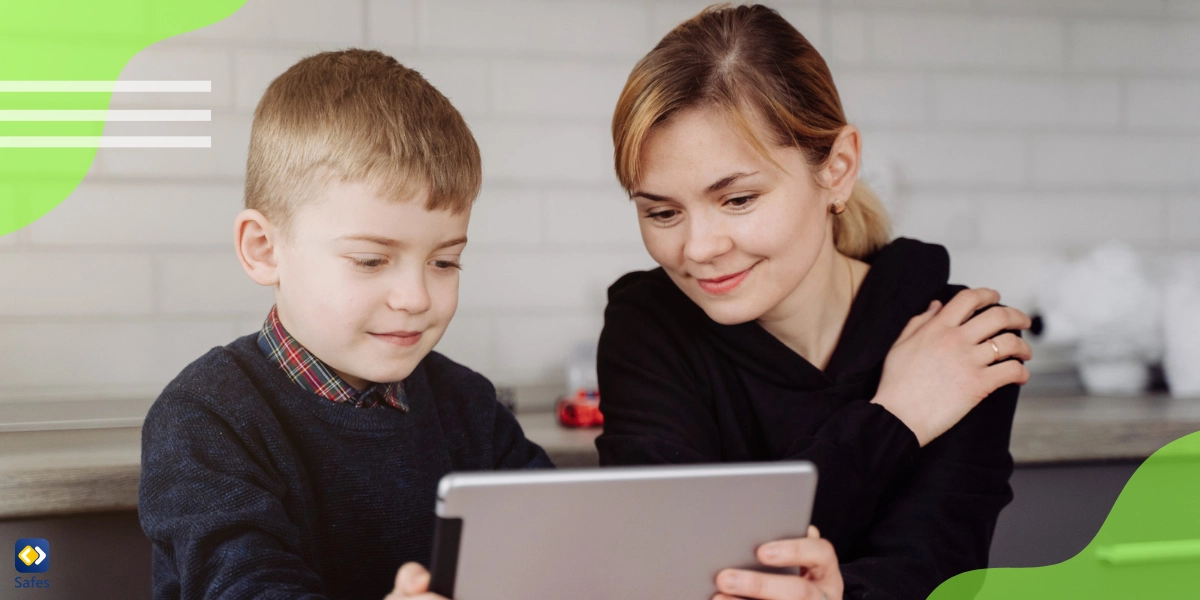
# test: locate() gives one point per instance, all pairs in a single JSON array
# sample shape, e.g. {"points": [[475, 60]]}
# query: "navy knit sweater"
{"points": [[253, 487]]}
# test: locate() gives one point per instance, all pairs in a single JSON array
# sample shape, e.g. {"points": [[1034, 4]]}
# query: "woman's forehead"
{"points": [[699, 147]]}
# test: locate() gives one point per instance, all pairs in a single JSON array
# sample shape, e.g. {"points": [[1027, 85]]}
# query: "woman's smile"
{"points": [[719, 286]]}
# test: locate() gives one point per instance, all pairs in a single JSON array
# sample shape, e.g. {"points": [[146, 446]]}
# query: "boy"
{"points": [[302, 461]]}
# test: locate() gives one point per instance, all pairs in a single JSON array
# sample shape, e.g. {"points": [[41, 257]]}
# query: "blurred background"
{"points": [[1014, 132], [1052, 145]]}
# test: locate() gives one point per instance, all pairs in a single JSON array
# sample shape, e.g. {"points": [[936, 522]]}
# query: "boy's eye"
{"points": [[662, 215]]}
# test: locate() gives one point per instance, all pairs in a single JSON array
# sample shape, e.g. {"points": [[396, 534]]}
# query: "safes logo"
{"points": [[32, 555]]}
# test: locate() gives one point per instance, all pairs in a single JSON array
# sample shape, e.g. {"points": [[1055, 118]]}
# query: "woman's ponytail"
{"points": [[863, 227]]}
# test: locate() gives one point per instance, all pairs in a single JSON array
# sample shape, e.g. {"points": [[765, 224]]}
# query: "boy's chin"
{"points": [[388, 374]]}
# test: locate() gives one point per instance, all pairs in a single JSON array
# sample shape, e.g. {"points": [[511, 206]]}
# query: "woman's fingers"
{"points": [[766, 586], [815, 554], [1008, 345], [1004, 373], [412, 579], [966, 303], [994, 320], [919, 321]]}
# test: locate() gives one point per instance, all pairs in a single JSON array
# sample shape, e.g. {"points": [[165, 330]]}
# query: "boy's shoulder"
{"points": [[237, 379], [228, 380], [450, 381]]}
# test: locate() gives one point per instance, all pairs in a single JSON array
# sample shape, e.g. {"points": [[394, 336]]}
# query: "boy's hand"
{"points": [[820, 578], [412, 583]]}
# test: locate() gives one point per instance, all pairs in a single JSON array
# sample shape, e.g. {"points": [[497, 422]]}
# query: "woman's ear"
{"points": [[256, 240], [841, 170]]}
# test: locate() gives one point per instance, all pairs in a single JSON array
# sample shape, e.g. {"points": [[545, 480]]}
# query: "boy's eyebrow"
{"points": [[390, 243], [453, 242], [374, 239]]}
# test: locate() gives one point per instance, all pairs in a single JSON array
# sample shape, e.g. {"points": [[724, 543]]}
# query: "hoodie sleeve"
{"points": [[941, 523]]}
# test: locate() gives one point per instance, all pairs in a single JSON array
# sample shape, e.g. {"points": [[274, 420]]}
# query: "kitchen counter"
{"points": [[68, 457]]}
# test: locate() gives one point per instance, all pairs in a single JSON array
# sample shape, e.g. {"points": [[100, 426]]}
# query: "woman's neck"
{"points": [[810, 319]]}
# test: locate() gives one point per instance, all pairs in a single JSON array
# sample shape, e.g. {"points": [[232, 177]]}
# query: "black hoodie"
{"points": [[677, 387]]}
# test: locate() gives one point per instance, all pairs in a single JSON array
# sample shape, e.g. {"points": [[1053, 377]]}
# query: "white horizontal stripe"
{"points": [[105, 115], [110, 141], [105, 86]]}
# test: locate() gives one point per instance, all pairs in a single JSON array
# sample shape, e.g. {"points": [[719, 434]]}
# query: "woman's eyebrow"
{"points": [[727, 181], [716, 187]]}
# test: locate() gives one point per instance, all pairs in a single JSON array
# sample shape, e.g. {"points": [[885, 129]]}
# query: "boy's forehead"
{"points": [[343, 209]]}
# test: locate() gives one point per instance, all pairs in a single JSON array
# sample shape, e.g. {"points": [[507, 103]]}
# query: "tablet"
{"points": [[633, 532]]}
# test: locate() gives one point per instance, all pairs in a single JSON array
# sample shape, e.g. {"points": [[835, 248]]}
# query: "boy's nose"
{"points": [[409, 294]]}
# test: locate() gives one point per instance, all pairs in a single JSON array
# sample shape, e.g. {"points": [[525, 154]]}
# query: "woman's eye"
{"points": [[368, 263], [740, 201], [662, 215], [447, 265]]}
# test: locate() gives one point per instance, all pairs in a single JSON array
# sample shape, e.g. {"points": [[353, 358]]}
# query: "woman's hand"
{"points": [[412, 583], [820, 577], [943, 364]]}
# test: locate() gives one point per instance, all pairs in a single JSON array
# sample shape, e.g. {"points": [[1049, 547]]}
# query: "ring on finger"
{"points": [[995, 349]]}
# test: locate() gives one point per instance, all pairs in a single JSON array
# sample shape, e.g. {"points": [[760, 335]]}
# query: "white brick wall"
{"points": [[1183, 220], [1048, 101], [75, 284], [559, 88], [1164, 105], [985, 42], [392, 22], [537, 28], [1013, 131], [1128, 159], [1136, 47]]}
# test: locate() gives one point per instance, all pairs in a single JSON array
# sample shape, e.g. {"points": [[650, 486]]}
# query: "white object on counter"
{"points": [[1181, 319], [1107, 305]]}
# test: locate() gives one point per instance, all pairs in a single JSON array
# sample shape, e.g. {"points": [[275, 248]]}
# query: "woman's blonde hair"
{"points": [[750, 63]]}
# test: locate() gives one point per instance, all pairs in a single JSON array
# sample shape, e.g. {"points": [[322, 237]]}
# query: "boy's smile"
{"points": [[368, 284]]}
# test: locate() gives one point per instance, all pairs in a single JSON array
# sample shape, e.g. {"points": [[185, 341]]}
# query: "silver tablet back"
{"points": [[624, 533]]}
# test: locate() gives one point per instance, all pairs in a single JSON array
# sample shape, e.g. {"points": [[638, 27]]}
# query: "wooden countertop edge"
{"points": [[39, 490]]}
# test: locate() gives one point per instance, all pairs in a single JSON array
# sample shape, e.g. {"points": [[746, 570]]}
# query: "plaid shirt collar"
{"points": [[308, 372]]}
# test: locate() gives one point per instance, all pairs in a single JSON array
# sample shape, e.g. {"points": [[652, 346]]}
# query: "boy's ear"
{"points": [[256, 240]]}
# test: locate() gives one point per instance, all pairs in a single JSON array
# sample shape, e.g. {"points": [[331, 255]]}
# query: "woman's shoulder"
{"points": [[923, 269], [646, 309], [641, 285], [651, 293]]}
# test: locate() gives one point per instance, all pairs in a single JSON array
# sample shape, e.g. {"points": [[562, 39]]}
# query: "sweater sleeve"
{"points": [[512, 450], [656, 411], [211, 504], [941, 523]]}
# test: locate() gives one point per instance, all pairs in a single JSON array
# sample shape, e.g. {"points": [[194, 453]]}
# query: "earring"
{"points": [[838, 207]]}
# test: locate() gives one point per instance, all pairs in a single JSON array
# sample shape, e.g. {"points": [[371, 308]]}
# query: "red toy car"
{"points": [[580, 410]]}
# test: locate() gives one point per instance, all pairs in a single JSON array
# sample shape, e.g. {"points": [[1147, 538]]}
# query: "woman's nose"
{"points": [[706, 240]]}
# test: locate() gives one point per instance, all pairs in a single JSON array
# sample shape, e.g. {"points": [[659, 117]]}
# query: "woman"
{"points": [[783, 325]]}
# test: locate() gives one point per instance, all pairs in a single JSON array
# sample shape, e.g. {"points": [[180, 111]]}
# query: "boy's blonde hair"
{"points": [[358, 115]]}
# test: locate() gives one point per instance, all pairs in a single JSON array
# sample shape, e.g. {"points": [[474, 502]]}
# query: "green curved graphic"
{"points": [[72, 40], [1148, 547]]}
